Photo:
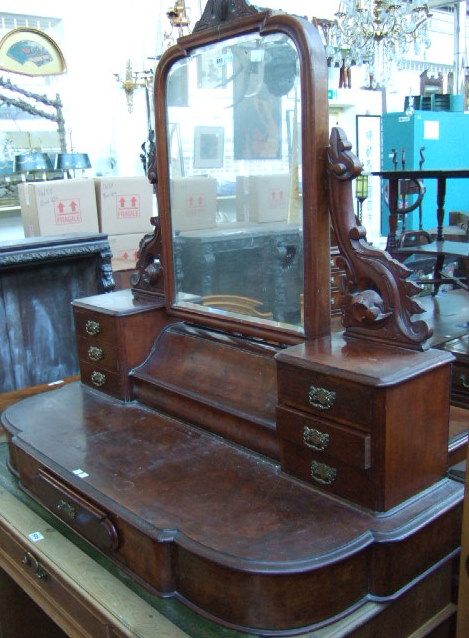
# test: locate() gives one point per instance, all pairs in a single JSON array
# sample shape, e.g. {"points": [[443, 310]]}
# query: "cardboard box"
{"points": [[193, 203], [125, 204], [58, 207], [263, 198], [124, 250]]}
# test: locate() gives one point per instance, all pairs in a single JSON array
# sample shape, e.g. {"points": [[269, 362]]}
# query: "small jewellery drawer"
{"points": [[326, 473], [325, 396], [349, 446], [102, 354], [85, 518], [102, 379], [95, 326]]}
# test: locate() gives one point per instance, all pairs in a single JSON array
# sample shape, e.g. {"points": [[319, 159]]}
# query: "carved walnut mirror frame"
{"points": [[377, 297], [220, 21]]}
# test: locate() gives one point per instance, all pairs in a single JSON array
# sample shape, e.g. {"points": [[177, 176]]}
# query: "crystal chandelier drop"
{"points": [[377, 33]]}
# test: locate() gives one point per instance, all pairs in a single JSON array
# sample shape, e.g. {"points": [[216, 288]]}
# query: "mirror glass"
{"points": [[234, 143]]}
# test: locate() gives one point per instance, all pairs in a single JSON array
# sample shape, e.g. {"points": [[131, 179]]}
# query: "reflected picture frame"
{"points": [[211, 72], [208, 146]]}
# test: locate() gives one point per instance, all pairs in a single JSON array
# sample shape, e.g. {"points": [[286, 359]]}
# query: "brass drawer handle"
{"points": [[95, 353], [92, 328], [31, 561], [323, 473], [98, 378], [315, 439], [321, 398], [66, 509], [464, 381]]}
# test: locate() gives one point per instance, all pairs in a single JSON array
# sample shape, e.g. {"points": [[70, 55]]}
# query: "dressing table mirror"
{"points": [[223, 447]]}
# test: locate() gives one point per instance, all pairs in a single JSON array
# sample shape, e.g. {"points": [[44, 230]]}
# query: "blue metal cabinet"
{"points": [[445, 136]]}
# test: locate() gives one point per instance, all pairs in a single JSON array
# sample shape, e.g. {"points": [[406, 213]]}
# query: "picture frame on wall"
{"points": [[29, 51], [208, 146]]}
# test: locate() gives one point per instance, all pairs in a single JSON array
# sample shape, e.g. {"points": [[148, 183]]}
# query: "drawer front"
{"points": [[45, 584], [99, 354], [95, 327], [325, 396], [85, 518], [347, 446], [327, 473], [101, 379]]}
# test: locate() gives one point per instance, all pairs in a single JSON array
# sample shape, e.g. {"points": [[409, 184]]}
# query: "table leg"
{"points": [[440, 212], [439, 261], [392, 203]]}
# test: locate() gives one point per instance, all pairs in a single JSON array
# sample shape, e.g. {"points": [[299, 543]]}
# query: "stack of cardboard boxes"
{"points": [[120, 207]]}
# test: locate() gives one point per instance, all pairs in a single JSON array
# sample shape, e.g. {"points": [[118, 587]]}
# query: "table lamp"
{"points": [[72, 161]]}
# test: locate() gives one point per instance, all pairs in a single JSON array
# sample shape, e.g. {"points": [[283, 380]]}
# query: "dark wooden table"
{"points": [[441, 175], [441, 249], [39, 278]]}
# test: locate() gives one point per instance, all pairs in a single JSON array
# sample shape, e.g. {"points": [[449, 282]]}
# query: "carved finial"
{"points": [[218, 12], [378, 302]]}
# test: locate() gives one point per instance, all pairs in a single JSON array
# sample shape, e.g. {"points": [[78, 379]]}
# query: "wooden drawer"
{"points": [[95, 327], [321, 437], [327, 473], [42, 581], [102, 379], [98, 354], [325, 396], [83, 517]]}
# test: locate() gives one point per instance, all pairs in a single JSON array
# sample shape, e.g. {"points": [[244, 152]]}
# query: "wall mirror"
{"points": [[230, 164]]}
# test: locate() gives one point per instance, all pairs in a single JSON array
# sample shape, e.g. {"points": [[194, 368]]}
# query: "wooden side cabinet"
{"points": [[114, 333], [352, 422]]}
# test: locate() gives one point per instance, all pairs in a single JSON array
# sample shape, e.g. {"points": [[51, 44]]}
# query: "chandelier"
{"points": [[377, 33]]}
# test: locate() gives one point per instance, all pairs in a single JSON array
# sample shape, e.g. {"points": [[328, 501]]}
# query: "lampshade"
{"points": [[30, 162], [361, 191], [67, 161]]}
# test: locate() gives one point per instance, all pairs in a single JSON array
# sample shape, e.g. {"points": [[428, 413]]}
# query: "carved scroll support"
{"points": [[377, 295], [148, 280]]}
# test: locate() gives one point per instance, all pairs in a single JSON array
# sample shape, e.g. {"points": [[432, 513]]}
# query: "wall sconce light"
{"points": [[133, 80], [179, 20], [361, 192]]}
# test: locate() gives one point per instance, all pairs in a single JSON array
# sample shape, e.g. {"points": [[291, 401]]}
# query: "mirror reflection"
{"points": [[233, 113]]}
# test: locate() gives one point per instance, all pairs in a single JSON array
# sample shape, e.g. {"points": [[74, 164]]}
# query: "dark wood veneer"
{"points": [[274, 478]]}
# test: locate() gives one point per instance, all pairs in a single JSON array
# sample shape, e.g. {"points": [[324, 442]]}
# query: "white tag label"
{"points": [[35, 537], [80, 473]]}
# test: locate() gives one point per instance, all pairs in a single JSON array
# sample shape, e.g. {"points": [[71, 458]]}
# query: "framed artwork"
{"points": [[30, 52], [211, 72], [208, 146]]}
